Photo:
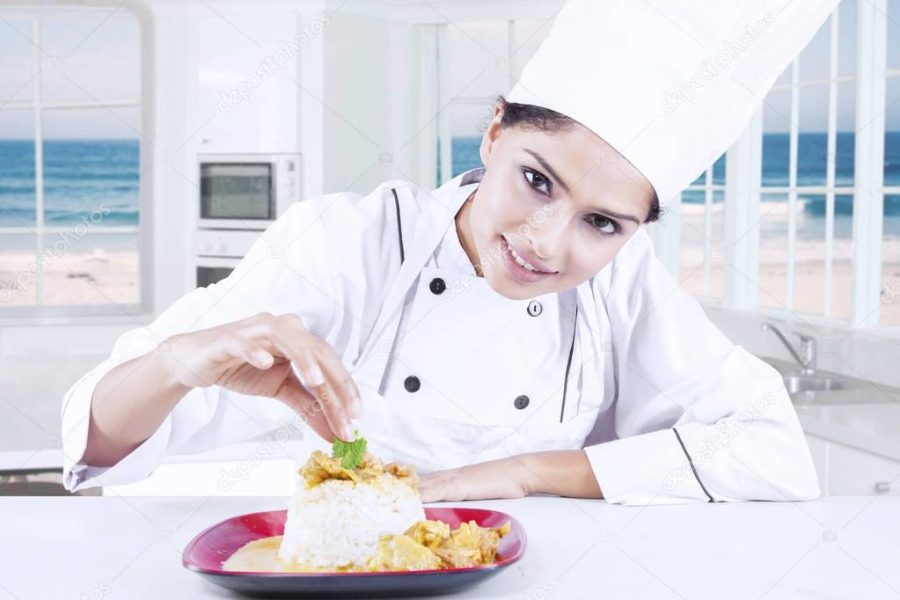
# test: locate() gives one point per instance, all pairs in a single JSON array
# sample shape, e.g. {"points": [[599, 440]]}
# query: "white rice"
{"points": [[338, 523]]}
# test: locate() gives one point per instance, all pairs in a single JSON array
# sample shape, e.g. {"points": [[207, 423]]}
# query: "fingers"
{"points": [[321, 384], [341, 381], [256, 354], [295, 396], [237, 349], [332, 408], [320, 369]]}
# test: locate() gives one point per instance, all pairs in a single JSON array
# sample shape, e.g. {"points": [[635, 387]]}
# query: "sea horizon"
{"points": [[82, 176]]}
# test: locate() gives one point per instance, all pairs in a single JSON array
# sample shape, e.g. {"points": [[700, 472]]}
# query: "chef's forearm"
{"points": [[128, 405], [560, 472]]}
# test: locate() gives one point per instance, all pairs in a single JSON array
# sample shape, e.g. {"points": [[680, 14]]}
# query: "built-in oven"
{"points": [[240, 195], [246, 191], [213, 269], [218, 251]]}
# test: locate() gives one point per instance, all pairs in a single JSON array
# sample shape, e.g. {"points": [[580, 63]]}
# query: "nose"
{"points": [[548, 237]]}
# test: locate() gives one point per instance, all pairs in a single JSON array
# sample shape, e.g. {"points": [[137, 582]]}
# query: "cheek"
{"points": [[583, 265], [499, 208], [589, 257]]}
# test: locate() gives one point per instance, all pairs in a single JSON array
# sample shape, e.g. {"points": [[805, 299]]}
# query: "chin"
{"points": [[508, 291], [513, 290]]}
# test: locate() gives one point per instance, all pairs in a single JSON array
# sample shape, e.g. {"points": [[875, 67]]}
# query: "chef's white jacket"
{"points": [[626, 365]]}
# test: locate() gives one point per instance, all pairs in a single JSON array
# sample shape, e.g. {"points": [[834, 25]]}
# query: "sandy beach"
{"points": [[809, 266], [96, 277], [808, 287]]}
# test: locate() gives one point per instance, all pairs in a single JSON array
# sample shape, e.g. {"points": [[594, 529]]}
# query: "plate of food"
{"points": [[356, 526]]}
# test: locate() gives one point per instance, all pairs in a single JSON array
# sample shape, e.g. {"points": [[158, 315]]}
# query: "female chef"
{"points": [[511, 332]]}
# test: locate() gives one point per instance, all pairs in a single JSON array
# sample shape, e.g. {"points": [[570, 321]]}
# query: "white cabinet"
{"points": [[854, 472], [247, 88], [819, 450], [297, 82], [847, 471]]}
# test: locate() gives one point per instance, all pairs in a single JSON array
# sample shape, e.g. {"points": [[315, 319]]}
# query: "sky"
{"points": [[84, 59], [88, 58]]}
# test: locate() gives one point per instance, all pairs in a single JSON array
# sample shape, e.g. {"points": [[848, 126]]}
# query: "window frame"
{"points": [[741, 268], [111, 313], [442, 98]]}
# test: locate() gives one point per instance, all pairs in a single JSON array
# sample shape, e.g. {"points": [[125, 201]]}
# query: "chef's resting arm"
{"points": [[698, 418], [558, 472]]}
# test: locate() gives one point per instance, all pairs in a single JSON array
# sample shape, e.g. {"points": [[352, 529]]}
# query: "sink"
{"points": [[817, 388], [819, 381], [797, 384]]}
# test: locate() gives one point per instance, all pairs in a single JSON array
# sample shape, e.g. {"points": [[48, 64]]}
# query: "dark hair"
{"points": [[531, 116]]}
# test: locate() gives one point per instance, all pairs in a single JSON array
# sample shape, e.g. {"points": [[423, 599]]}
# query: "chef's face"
{"points": [[564, 202]]}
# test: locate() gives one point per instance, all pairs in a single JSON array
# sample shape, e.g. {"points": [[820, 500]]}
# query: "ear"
{"points": [[491, 134]]}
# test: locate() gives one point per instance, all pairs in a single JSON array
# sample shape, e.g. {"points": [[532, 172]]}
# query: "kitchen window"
{"points": [[807, 182], [487, 56], [695, 226], [70, 177], [819, 242]]}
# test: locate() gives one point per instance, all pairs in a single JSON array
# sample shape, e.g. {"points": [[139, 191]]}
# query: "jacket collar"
{"points": [[433, 212]]}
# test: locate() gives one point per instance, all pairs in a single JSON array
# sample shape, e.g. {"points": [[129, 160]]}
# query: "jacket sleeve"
{"points": [[286, 271], [698, 419]]}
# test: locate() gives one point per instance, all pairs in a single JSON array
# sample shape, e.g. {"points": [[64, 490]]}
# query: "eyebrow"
{"points": [[605, 212], [550, 169]]}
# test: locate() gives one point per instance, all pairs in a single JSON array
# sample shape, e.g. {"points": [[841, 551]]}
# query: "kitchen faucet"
{"points": [[808, 348]]}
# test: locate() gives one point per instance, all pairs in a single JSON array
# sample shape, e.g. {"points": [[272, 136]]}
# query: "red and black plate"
{"points": [[210, 548]]}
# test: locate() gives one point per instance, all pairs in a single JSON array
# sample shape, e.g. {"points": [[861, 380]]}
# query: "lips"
{"points": [[529, 258], [517, 271]]}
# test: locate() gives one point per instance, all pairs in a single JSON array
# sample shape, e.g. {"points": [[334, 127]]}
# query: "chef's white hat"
{"points": [[669, 84]]}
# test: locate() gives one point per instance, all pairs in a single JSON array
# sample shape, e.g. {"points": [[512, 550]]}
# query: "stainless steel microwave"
{"points": [[246, 191]]}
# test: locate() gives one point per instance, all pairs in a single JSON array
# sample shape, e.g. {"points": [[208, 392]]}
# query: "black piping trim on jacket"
{"points": [[399, 227], [562, 410], [691, 462]]}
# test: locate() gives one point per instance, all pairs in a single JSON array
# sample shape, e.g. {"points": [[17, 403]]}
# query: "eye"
{"points": [[537, 181], [603, 224]]}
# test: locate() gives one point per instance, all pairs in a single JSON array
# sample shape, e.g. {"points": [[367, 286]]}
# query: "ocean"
{"points": [[82, 177]]}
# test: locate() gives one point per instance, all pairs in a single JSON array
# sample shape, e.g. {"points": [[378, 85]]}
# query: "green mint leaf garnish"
{"points": [[350, 453]]}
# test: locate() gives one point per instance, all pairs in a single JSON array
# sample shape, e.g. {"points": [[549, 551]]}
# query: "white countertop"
{"points": [[113, 547]]}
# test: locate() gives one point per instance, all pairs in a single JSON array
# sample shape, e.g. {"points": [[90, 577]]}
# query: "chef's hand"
{"points": [[558, 472], [254, 356], [504, 478]]}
